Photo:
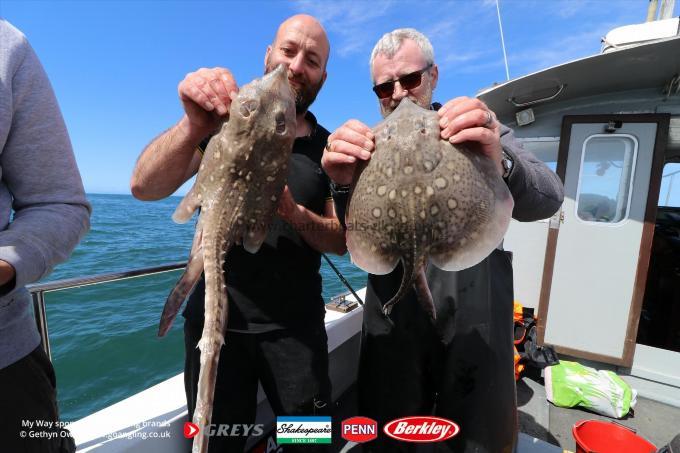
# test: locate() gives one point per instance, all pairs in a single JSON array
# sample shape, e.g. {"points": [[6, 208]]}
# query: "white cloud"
{"points": [[567, 9], [348, 21]]}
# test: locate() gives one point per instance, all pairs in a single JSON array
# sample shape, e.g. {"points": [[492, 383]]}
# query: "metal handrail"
{"points": [[38, 291], [513, 100]]}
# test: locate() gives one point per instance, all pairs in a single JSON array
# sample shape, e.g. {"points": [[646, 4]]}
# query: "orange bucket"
{"points": [[594, 436]]}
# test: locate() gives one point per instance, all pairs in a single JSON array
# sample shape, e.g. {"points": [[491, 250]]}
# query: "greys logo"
{"points": [[234, 430]]}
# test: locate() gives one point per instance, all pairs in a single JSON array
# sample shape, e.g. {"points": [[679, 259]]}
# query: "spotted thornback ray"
{"points": [[239, 182], [421, 197]]}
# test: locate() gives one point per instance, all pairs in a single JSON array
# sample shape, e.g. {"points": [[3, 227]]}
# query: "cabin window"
{"points": [[606, 178], [545, 148], [669, 195]]}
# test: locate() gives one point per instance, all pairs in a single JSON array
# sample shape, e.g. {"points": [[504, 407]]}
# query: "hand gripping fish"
{"points": [[239, 182], [421, 197]]}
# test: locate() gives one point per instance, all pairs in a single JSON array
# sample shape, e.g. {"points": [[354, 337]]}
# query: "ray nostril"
{"points": [[247, 108], [280, 123]]}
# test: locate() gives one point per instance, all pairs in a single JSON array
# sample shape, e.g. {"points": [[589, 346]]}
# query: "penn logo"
{"points": [[359, 429], [421, 429]]}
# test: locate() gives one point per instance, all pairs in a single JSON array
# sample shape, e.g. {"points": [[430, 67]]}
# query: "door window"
{"points": [[606, 178]]}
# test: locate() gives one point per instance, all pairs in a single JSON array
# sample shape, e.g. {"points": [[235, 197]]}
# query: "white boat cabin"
{"points": [[604, 272]]}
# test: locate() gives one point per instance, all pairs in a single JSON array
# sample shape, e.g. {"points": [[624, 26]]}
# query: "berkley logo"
{"points": [[359, 429], [421, 429]]}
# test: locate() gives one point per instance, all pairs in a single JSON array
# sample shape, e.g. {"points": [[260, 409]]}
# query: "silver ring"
{"points": [[489, 119], [328, 145]]}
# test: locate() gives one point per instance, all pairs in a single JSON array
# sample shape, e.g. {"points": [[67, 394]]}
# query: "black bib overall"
{"points": [[460, 368]]}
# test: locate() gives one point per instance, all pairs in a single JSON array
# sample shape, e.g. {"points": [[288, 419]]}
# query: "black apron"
{"points": [[460, 368]]}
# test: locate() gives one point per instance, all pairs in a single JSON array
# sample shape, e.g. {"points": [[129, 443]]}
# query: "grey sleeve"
{"points": [[39, 172], [537, 191]]}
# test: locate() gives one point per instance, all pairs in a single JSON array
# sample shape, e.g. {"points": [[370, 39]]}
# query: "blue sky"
{"points": [[115, 65]]}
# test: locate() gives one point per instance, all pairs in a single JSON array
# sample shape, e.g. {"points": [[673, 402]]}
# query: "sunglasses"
{"points": [[407, 82]]}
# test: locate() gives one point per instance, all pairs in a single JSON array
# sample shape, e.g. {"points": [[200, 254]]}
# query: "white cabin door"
{"points": [[589, 305]]}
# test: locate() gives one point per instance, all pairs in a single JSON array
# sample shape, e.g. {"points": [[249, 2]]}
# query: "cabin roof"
{"points": [[644, 66]]}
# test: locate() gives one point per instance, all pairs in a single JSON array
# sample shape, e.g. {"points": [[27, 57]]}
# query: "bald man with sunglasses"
{"points": [[461, 367]]}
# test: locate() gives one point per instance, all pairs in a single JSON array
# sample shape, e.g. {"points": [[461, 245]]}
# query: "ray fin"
{"points": [[185, 284], [186, 208]]}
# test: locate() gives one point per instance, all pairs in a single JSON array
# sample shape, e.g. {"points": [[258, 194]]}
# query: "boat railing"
{"points": [[39, 290]]}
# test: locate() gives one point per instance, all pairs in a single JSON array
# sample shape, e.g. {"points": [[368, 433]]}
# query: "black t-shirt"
{"points": [[280, 285]]}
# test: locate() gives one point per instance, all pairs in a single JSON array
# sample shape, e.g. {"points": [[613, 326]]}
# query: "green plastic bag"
{"points": [[571, 384]]}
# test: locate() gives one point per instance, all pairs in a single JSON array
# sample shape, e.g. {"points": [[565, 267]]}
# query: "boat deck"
{"points": [[655, 421], [137, 423]]}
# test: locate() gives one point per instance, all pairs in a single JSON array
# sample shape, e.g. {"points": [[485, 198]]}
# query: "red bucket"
{"points": [[594, 436]]}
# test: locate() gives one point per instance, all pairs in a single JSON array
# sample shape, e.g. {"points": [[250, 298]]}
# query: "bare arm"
{"points": [[322, 233], [166, 163], [171, 159]]}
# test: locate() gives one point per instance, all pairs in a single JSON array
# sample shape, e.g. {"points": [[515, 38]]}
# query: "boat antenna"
{"points": [[500, 26]]}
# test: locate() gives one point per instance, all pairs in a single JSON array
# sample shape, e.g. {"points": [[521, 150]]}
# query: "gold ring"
{"points": [[328, 146]]}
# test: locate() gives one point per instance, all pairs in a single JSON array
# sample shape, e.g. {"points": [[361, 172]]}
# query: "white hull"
{"points": [[153, 420]]}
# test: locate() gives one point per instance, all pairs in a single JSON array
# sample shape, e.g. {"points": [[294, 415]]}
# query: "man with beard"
{"points": [[460, 367], [275, 332]]}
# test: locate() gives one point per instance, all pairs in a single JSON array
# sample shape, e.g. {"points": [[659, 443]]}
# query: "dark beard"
{"points": [[304, 95]]}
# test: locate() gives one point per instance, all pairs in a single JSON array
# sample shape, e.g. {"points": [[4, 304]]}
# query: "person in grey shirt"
{"points": [[461, 366], [43, 215]]}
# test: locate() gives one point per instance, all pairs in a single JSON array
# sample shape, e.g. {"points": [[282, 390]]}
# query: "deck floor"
{"points": [[539, 419], [656, 422]]}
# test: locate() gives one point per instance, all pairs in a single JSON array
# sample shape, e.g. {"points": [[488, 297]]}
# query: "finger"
{"points": [[473, 118], [228, 81], [335, 160], [223, 99], [481, 135], [354, 138], [349, 149], [337, 164], [360, 128], [193, 94], [452, 103], [205, 87], [339, 167], [461, 105]]}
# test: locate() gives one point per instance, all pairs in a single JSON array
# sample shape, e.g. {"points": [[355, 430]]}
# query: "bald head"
{"points": [[309, 29]]}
